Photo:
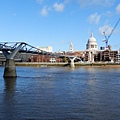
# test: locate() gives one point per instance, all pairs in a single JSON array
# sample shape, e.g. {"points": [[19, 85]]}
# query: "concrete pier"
{"points": [[72, 65], [10, 69]]}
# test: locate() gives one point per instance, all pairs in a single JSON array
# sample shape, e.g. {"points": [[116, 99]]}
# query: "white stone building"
{"points": [[47, 49], [92, 43], [91, 48], [71, 47]]}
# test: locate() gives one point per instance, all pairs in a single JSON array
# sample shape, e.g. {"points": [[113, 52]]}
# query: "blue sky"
{"points": [[57, 22]]}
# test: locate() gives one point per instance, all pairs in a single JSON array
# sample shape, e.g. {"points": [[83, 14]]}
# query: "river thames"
{"points": [[61, 93]]}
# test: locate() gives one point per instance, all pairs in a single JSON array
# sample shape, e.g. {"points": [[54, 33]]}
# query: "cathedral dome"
{"points": [[92, 43], [92, 39]]}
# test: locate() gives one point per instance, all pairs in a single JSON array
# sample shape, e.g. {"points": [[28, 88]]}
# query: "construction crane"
{"points": [[107, 38]]}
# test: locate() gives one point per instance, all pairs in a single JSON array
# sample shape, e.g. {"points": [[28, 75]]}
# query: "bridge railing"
{"points": [[10, 47]]}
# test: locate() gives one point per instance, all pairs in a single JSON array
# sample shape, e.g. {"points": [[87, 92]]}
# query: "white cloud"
{"points": [[67, 1], [39, 1], [104, 2], [84, 3], [108, 13], [118, 9], [106, 28], [94, 18], [59, 7], [44, 11]]}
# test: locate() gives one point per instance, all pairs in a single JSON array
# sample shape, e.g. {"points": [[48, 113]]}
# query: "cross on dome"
{"points": [[91, 34]]}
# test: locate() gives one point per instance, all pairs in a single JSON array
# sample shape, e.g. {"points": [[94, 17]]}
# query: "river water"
{"points": [[61, 93]]}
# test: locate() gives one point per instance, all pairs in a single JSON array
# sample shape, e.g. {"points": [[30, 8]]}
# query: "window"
{"points": [[92, 46]]}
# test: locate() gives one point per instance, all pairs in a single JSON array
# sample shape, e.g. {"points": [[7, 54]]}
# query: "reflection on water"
{"points": [[61, 94], [10, 84], [8, 107]]}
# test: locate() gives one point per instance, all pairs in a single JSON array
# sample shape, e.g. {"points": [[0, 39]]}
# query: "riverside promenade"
{"points": [[63, 64]]}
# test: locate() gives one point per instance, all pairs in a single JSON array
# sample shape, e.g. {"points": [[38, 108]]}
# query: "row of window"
{"points": [[91, 46]]}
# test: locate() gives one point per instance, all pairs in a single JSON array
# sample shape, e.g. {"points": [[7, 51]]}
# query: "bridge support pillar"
{"points": [[72, 65], [10, 69]]}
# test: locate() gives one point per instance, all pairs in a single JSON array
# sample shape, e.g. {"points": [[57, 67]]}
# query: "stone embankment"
{"points": [[46, 64]]}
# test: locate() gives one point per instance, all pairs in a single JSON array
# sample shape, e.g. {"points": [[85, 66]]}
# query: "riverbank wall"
{"points": [[46, 64]]}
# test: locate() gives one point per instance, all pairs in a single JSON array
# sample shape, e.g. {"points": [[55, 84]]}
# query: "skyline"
{"points": [[56, 23]]}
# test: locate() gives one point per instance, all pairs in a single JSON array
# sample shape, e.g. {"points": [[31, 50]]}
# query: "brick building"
{"points": [[44, 58], [109, 55]]}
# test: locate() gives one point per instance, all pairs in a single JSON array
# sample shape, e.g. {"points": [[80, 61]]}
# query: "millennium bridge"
{"points": [[10, 49]]}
